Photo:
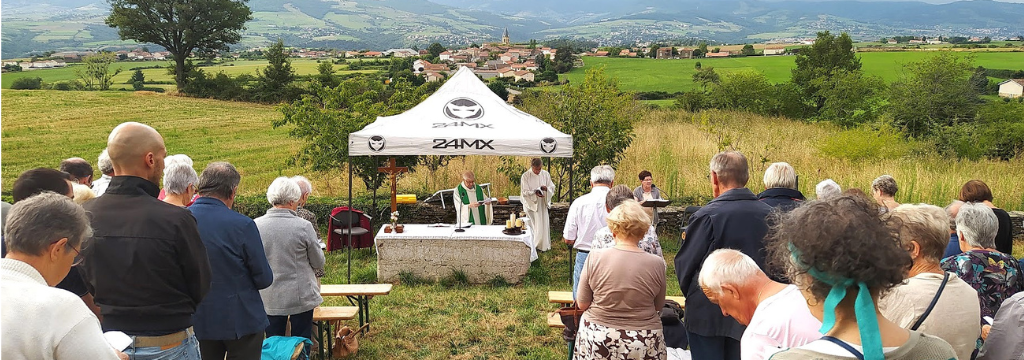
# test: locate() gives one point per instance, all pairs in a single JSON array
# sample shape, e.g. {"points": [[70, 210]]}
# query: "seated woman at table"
{"points": [[618, 324], [603, 238], [294, 254]]}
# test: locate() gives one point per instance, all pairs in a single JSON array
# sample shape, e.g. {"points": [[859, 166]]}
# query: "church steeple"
{"points": [[504, 38]]}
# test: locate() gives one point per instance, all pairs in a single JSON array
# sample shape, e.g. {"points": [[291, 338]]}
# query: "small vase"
{"points": [[387, 228], [399, 228]]}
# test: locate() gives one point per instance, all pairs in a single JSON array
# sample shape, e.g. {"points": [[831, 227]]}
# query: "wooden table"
{"points": [[565, 298], [358, 295]]}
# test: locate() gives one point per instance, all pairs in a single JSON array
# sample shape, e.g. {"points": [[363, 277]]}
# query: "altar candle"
{"points": [[519, 223], [508, 224]]}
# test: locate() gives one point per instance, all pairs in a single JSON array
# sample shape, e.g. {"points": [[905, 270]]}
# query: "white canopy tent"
{"points": [[462, 118]]}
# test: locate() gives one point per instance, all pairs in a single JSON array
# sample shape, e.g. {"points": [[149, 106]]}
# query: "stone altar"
{"points": [[434, 251]]}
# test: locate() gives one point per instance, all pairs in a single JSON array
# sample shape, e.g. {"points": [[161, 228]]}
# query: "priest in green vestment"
{"points": [[471, 203]]}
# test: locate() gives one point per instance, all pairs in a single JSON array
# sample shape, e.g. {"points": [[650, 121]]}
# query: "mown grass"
{"points": [[42, 127], [449, 319], [676, 75]]}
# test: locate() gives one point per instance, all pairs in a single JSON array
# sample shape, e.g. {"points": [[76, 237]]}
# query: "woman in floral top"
{"points": [[995, 275], [603, 239]]}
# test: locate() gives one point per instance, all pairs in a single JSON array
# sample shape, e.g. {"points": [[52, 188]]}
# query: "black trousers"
{"points": [[302, 325], [248, 347]]}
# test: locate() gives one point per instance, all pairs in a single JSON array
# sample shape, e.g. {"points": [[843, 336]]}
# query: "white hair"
{"points": [[726, 266], [602, 174], [283, 191], [103, 162], [176, 159], [827, 189], [177, 178], [780, 175], [978, 223], [305, 187]]}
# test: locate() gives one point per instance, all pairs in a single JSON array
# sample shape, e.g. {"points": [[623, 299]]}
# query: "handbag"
{"points": [[346, 341], [570, 317]]}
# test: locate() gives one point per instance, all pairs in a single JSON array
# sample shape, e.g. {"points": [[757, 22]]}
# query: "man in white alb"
{"points": [[536, 191], [471, 203]]}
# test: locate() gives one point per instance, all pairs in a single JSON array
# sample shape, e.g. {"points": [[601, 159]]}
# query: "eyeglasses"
{"points": [[78, 252]]}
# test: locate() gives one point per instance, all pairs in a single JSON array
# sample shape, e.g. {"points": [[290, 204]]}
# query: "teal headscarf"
{"points": [[863, 307]]}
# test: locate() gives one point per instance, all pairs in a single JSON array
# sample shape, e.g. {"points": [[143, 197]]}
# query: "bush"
{"points": [[138, 85], [66, 86], [692, 101], [27, 83]]}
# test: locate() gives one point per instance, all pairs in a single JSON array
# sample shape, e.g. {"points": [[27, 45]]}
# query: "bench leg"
{"points": [[320, 338]]}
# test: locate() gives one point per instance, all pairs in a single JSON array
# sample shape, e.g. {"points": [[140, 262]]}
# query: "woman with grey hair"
{"points": [[995, 275], [780, 185], [46, 234], [107, 170], [170, 161], [827, 189], [883, 190], [294, 254], [180, 182]]}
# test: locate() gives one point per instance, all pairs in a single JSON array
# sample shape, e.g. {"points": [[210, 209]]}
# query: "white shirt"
{"points": [[100, 185], [780, 322], [40, 322], [586, 216]]}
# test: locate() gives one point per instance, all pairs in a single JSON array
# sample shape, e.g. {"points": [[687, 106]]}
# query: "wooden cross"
{"points": [[393, 171]]}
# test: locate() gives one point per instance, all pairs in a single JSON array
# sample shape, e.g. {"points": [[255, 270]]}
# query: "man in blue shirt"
{"points": [[231, 319]]}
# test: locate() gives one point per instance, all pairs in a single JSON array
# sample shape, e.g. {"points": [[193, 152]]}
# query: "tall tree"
{"points": [[96, 71], [180, 26], [436, 49], [748, 50], [933, 93], [829, 55], [705, 76], [274, 79], [598, 116]]}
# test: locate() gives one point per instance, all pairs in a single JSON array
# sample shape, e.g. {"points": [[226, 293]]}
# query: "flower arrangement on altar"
{"points": [[394, 224]]}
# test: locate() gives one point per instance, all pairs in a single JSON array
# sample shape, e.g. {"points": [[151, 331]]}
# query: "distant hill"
{"points": [[37, 26]]}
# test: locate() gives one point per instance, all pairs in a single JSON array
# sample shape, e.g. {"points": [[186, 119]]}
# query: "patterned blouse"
{"points": [[995, 275], [603, 239]]}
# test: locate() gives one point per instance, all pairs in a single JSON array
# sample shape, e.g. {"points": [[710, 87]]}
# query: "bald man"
{"points": [[471, 204], [147, 266]]}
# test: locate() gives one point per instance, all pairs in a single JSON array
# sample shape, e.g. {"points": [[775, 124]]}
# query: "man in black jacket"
{"points": [[147, 266], [735, 219]]}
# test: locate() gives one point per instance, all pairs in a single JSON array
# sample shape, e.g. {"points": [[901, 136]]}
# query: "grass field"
{"points": [[43, 127], [676, 75], [234, 68]]}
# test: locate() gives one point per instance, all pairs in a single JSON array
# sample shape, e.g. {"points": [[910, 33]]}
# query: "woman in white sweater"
{"points": [[45, 234]]}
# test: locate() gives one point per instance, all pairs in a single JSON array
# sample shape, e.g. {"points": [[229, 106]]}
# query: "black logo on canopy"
{"points": [[376, 143], [548, 145], [463, 109]]}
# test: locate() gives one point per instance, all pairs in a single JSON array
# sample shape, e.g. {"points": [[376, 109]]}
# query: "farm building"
{"points": [[774, 50], [1013, 88]]}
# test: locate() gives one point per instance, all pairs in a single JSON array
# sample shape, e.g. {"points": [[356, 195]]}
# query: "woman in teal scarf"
{"points": [[842, 255]]}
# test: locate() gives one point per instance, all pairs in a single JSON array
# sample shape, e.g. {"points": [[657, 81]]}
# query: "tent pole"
{"points": [[572, 260], [350, 219]]}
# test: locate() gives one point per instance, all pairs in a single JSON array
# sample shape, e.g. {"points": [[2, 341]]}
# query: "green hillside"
{"points": [[676, 75]]}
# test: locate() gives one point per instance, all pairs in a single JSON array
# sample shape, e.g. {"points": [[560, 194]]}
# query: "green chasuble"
{"points": [[478, 217]]}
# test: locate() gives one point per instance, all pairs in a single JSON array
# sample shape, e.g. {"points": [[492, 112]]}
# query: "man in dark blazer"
{"points": [[230, 320], [735, 219]]}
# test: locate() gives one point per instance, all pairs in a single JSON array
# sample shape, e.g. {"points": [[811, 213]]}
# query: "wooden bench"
{"points": [[325, 316], [554, 320], [565, 298]]}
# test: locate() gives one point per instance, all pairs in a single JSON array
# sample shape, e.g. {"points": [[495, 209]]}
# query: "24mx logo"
{"points": [[462, 123], [463, 144]]}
